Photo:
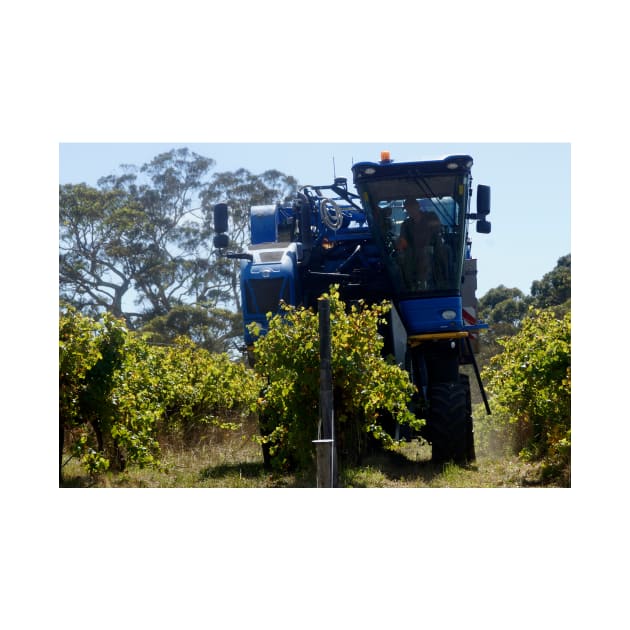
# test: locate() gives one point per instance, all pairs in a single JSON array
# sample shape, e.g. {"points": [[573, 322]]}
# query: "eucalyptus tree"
{"points": [[100, 247], [503, 308], [135, 246], [139, 245], [175, 251], [554, 288]]}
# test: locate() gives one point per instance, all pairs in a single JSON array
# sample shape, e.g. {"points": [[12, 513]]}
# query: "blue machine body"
{"points": [[403, 237], [270, 278], [427, 315], [369, 244]]}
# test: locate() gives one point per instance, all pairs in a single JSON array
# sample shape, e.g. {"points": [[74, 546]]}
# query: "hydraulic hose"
{"points": [[332, 220]]}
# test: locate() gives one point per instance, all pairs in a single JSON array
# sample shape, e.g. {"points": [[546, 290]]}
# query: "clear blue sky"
{"points": [[531, 188]]}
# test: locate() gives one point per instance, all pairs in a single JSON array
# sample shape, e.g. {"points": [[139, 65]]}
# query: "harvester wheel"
{"points": [[447, 423]]}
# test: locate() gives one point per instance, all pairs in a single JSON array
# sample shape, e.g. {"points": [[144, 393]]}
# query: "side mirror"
{"points": [[483, 226], [483, 200], [220, 212], [221, 241]]}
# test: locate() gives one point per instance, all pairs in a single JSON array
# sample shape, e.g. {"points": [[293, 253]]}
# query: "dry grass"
{"points": [[411, 467], [234, 460], [217, 459]]}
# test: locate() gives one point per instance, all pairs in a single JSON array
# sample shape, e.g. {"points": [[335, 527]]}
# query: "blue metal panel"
{"points": [[426, 315], [265, 284], [264, 224]]}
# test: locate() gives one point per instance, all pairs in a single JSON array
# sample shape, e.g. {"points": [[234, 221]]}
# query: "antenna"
{"points": [[334, 170]]}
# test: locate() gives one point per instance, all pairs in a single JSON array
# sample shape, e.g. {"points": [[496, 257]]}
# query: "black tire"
{"points": [[447, 423]]}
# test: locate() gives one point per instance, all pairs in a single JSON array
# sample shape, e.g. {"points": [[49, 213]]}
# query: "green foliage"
{"points": [[554, 289], [503, 305], [210, 328], [530, 384], [201, 389], [117, 392], [78, 353], [108, 401], [503, 309], [139, 245], [99, 245], [368, 390]]}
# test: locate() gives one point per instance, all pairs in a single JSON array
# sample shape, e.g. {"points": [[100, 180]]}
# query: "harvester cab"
{"points": [[418, 213]]}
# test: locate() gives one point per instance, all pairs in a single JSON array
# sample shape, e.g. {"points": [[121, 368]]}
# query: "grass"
{"points": [[412, 468], [221, 460]]}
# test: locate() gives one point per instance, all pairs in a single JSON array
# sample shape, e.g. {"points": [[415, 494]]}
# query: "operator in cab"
{"points": [[420, 249]]}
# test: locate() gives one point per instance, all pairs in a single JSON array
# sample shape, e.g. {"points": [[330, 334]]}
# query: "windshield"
{"points": [[419, 225]]}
